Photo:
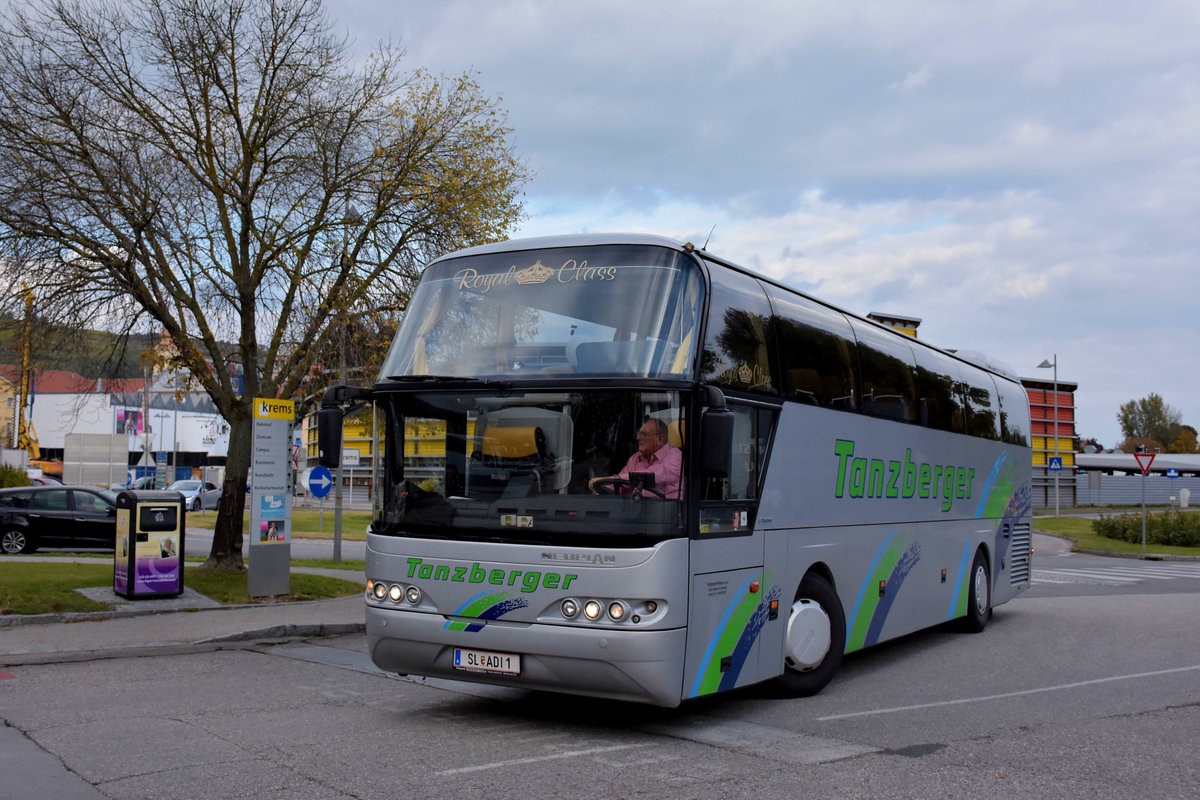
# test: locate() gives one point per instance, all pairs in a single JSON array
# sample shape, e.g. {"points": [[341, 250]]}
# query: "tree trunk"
{"points": [[226, 550]]}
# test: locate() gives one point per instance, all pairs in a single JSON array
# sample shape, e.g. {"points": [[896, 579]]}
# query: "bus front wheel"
{"points": [[816, 638]]}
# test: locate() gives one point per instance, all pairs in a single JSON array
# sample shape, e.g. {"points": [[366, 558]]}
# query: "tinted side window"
{"points": [[888, 373], [14, 500], [92, 503], [816, 351], [940, 402], [735, 350], [53, 500], [1014, 413], [983, 419]]}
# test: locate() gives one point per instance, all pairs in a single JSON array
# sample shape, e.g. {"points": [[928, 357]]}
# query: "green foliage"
{"points": [[92, 354], [11, 476], [1172, 528], [1150, 418]]}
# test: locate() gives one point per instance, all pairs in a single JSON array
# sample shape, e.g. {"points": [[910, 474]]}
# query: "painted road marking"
{"points": [[1005, 695], [513, 762], [1132, 573]]}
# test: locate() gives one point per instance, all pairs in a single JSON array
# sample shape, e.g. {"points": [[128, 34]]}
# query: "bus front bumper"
{"points": [[642, 666]]}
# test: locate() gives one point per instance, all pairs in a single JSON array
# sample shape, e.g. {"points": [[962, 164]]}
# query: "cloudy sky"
{"points": [[1022, 176]]}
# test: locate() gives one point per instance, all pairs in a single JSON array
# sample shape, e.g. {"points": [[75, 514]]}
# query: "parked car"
{"points": [[197, 494], [56, 516], [144, 482], [44, 480]]}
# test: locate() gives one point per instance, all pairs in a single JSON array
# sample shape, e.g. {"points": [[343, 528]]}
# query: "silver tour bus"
{"points": [[817, 483]]}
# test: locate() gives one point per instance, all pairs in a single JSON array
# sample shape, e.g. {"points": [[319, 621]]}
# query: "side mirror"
{"points": [[329, 437], [716, 442]]}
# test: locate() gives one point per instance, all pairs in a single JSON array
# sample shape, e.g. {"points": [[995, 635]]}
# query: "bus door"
{"points": [[734, 602]]}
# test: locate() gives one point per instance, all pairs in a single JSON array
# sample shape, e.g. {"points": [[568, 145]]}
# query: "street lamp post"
{"points": [[1046, 364]]}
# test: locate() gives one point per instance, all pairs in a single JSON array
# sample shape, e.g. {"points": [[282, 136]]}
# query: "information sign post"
{"points": [[269, 572]]}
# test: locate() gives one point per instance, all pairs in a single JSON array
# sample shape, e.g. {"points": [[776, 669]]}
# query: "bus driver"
{"points": [[654, 455]]}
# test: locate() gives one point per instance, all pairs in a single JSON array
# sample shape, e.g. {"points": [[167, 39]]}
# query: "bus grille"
{"points": [[1020, 550]]}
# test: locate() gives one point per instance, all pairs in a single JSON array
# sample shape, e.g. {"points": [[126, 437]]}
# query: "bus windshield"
{"points": [[519, 466], [615, 310]]}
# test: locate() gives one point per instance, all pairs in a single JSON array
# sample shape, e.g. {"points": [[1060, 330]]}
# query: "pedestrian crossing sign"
{"points": [[1056, 464]]}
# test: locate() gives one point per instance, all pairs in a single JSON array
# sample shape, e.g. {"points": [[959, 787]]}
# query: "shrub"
{"points": [[1169, 528], [12, 476]]}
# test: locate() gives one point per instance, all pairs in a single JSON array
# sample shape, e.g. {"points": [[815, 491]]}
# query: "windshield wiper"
{"points": [[501, 387], [430, 378]]}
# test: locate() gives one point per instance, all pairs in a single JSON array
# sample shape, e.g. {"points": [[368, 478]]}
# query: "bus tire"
{"points": [[979, 595], [816, 638]]}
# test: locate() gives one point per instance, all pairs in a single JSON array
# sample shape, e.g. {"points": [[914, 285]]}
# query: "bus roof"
{"points": [[971, 357], [567, 240]]}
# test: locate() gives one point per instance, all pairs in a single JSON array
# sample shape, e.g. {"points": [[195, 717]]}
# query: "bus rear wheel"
{"points": [[979, 596], [816, 638]]}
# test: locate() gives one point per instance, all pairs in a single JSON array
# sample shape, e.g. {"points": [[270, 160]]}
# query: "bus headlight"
{"points": [[395, 593], [413, 595], [616, 612], [569, 609], [379, 591], [592, 610]]}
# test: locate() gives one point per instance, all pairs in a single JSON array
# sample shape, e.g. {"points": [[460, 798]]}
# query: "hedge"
{"points": [[1169, 528]]}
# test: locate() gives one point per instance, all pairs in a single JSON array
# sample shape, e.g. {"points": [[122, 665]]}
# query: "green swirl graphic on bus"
{"points": [[875, 478]]}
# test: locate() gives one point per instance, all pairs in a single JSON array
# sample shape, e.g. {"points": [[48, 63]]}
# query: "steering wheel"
{"points": [[609, 486]]}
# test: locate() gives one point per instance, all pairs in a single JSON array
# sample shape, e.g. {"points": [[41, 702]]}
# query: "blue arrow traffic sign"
{"points": [[1056, 464], [320, 481]]}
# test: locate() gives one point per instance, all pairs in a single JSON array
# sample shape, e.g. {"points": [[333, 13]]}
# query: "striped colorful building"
{"points": [[1045, 428]]}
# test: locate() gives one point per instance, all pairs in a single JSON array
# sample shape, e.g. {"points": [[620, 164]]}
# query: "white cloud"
{"points": [[1023, 176]]}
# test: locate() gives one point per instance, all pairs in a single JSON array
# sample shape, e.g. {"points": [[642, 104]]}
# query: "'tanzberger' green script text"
{"points": [[862, 477]]}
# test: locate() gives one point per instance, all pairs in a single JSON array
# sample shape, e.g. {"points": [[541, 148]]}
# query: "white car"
{"points": [[197, 494]]}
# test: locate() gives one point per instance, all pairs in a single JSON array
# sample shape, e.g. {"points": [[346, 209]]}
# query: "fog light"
{"points": [[570, 609], [592, 610], [616, 612], [651, 606], [395, 593], [380, 591], [413, 595]]}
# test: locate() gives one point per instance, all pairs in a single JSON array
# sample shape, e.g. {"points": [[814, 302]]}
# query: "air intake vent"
{"points": [[1019, 552]]}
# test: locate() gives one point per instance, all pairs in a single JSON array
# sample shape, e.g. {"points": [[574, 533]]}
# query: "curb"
{"points": [[14, 620], [276, 634]]}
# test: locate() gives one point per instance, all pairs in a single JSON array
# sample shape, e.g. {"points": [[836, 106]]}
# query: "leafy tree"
{"points": [[1186, 441], [1140, 444], [1149, 418], [221, 168]]}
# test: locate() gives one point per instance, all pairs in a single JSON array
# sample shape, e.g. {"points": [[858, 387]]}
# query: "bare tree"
{"points": [[222, 168]]}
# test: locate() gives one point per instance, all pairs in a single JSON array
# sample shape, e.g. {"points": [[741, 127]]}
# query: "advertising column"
{"points": [[270, 532]]}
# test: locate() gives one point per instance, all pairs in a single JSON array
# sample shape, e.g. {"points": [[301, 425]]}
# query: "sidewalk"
{"points": [[190, 620]]}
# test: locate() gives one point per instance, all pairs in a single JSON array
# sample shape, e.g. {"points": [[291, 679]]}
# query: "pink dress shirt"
{"points": [[666, 464]]}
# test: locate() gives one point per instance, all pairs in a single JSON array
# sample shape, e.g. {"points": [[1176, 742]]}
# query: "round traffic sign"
{"points": [[320, 481]]}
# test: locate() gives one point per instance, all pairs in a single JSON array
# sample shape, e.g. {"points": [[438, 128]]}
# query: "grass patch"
{"points": [[38, 587], [328, 563], [1080, 529], [306, 522], [34, 587], [228, 586]]}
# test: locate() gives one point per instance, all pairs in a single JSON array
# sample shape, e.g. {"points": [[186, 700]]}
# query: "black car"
{"points": [[57, 516]]}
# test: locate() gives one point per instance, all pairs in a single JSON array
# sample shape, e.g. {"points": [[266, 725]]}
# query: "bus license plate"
{"points": [[486, 661]]}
